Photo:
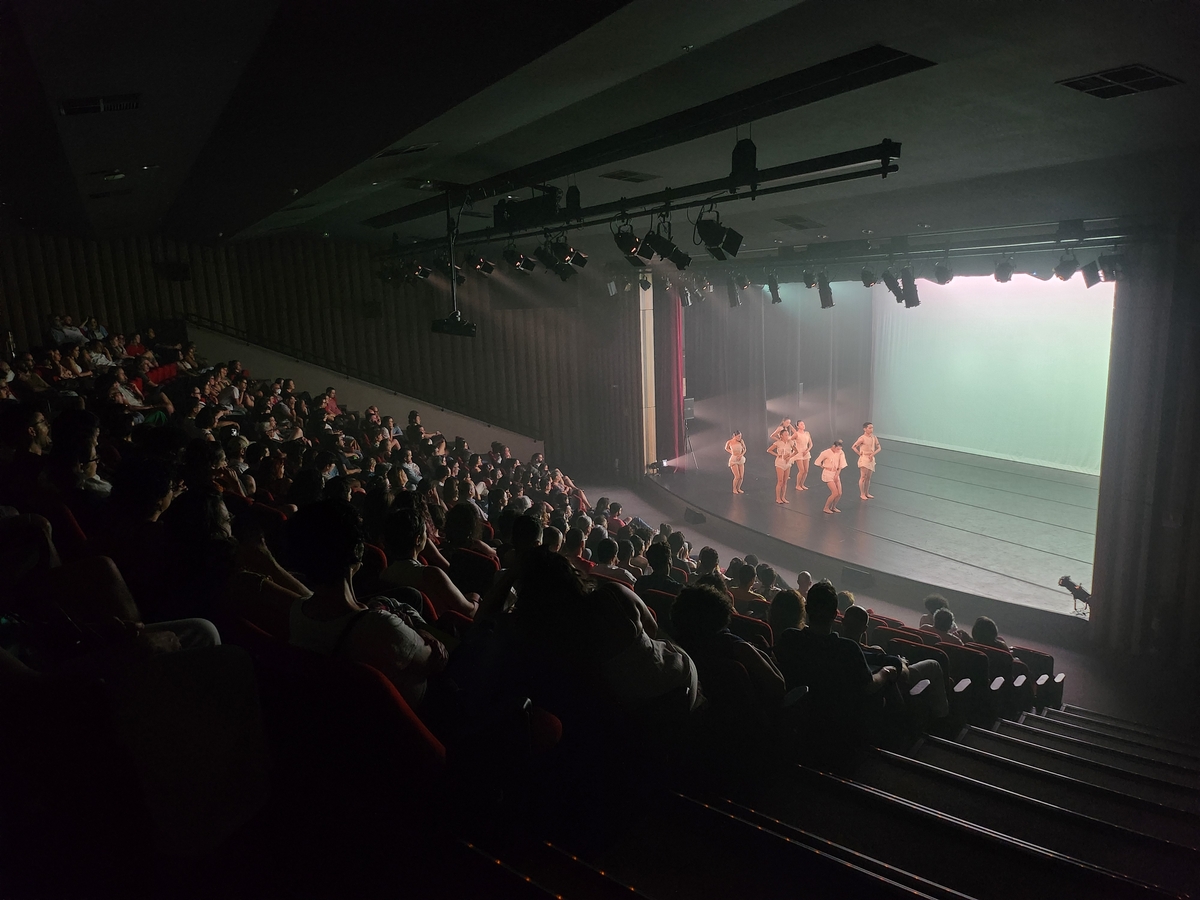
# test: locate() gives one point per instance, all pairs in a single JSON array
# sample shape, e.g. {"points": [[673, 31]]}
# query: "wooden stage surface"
{"points": [[981, 526]]}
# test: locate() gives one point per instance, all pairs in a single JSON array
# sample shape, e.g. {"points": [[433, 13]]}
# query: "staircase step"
{"points": [[1146, 747]]}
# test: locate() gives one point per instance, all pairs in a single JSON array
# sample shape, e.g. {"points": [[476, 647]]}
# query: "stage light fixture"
{"points": [[809, 279], [717, 239], [612, 288], [893, 284], [942, 273], [483, 267], [909, 284], [741, 280], [682, 260], [518, 260], [1004, 271], [545, 256], [644, 283], [1110, 267], [569, 254], [685, 297], [705, 286], [773, 287], [868, 278], [1090, 273], [1067, 266], [455, 325], [735, 296], [824, 291], [627, 242], [653, 243], [421, 271]]}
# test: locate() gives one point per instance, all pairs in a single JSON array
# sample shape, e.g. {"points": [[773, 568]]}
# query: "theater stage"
{"points": [[974, 527]]}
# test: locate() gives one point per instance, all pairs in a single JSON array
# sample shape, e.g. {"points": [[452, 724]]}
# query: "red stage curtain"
{"points": [[668, 371]]}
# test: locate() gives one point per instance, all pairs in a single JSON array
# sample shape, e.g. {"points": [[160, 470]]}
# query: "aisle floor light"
{"points": [[825, 292]]}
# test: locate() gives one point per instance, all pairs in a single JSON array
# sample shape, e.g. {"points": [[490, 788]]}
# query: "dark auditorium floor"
{"points": [[1145, 689]]}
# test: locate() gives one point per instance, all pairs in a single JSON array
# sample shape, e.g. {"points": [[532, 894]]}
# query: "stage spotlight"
{"points": [[741, 280], [612, 288], [483, 267], [421, 271], [685, 297], [644, 283], [545, 256], [1067, 266], [654, 243], [773, 287], [681, 259], [1004, 271], [705, 286], [569, 254], [909, 284], [1110, 267], [825, 292], [628, 244], [717, 239], [735, 297], [809, 279], [1090, 273], [518, 260], [868, 278], [893, 285], [942, 273], [454, 324]]}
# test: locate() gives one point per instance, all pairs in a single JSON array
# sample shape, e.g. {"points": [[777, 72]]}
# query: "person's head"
{"points": [[984, 631], [943, 620], [404, 533], [868, 428], [786, 423], [787, 611], [25, 427], [527, 532], [414, 417], [659, 558], [821, 605], [624, 551], [552, 539], [325, 541], [699, 613], [934, 602], [836, 445], [745, 576], [845, 600], [854, 623], [800, 427], [737, 434], [606, 552], [803, 583], [765, 575], [751, 560], [709, 559], [463, 525], [675, 542], [573, 542]]}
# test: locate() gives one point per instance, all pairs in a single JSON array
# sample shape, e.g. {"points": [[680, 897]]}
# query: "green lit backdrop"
{"points": [[1017, 371]]}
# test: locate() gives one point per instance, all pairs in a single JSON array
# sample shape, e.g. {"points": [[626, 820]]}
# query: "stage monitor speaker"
{"points": [[693, 518], [856, 579], [689, 408]]}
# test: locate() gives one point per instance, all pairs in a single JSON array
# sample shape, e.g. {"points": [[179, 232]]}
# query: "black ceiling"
{"points": [[275, 116]]}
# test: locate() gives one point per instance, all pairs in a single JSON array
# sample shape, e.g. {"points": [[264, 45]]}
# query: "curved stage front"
{"points": [[994, 536]]}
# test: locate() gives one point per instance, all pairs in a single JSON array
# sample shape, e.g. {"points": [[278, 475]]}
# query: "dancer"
{"points": [[785, 425], [736, 448], [866, 447], [784, 451], [831, 462], [804, 445]]}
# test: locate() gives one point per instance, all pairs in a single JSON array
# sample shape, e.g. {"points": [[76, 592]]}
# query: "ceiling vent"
{"points": [[1135, 79], [798, 223], [403, 151], [78, 106], [629, 176]]}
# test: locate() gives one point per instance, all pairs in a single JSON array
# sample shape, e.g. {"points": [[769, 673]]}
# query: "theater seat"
{"points": [[471, 572], [753, 631]]}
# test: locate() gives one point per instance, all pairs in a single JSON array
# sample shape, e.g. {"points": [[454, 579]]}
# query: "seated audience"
{"points": [[605, 563], [405, 535], [745, 600]]}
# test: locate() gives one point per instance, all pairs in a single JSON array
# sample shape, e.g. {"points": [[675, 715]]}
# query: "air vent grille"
{"points": [[798, 223], [78, 106], [629, 175], [1133, 79]]}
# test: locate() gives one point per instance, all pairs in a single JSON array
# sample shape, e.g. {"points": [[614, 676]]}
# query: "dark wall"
{"points": [[556, 361], [746, 365]]}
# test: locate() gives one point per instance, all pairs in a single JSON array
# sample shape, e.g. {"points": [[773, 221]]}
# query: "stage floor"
{"points": [[988, 527]]}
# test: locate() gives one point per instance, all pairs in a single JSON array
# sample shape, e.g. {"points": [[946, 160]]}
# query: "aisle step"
{"points": [[1134, 732], [946, 849], [1147, 785], [1122, 759], [1147, 748], [1131, 724], [1148, 859], [1080, 795]]}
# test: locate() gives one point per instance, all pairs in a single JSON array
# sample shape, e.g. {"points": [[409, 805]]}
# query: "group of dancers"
{"points": [[792, 445]]}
